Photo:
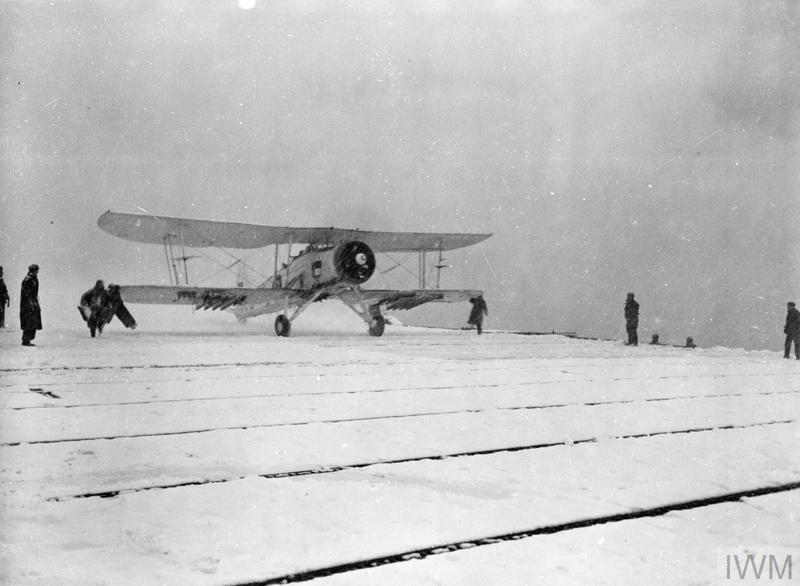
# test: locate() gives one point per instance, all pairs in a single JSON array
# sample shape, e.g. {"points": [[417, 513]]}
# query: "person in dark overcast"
{"points": [[5, 300], [91, 307], [479, 309], [30, 314], [632, 320], [792, 330]]}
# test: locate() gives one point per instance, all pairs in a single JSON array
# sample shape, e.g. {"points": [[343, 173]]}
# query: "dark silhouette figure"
{"points": [[99, 306], [91, 307], [479, 309], [654, 341], [30, 314], [5, 300], [690, 343], [114, 306], [792, 330], [631, 320]]}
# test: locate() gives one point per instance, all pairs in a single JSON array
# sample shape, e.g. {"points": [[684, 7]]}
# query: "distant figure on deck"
{"points": [[30, 314], [5, 300], [91, 307], [792, 330], [631, 320], [479, 309], [654, 341], [690, 343]]}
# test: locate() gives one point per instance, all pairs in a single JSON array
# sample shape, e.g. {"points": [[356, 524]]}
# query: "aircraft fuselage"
{"points": [[350, 263]]}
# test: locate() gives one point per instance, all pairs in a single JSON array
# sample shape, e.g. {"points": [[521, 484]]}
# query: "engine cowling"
{"points": [[354, 262]]}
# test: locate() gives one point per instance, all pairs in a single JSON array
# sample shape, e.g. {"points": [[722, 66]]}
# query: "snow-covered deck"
{"points": [[214, 455]]}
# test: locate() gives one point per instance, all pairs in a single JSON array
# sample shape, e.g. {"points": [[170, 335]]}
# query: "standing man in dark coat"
{"points": [[632, 320], [792, 331], [5, 300], [30, 314], [479, 309]]}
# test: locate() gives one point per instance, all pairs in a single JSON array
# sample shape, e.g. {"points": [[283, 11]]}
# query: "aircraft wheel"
{"points": [[283, 326], [376, 326]]}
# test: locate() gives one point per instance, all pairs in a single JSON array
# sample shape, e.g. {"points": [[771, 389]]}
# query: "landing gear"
{"points": [[376, 326], [371, 314], [283, 323], [283, 326]]}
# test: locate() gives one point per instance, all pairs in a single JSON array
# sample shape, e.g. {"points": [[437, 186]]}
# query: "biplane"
{"points": [[332, 263]]}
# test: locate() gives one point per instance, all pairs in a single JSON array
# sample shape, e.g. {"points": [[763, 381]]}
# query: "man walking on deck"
{"points": [[479, 309]]}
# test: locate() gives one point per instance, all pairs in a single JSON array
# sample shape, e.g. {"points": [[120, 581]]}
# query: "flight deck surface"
{"points": [[231, 456]]}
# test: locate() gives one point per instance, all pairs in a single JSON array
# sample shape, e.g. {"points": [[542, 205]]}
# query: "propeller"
{"points": [[355, 262]]}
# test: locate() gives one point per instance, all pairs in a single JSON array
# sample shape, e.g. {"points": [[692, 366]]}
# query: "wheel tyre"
{"points": [[376, 326], [283, 326]]}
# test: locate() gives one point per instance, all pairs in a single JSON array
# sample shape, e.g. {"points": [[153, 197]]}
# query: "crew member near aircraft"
{"points": [[479, 309], [5, 300], [631, 320], [792, 330], [91, 307], [30, 314], [114, 306]]}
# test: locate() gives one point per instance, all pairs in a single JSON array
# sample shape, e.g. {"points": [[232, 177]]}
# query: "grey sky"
{"points": [[643, 146]]}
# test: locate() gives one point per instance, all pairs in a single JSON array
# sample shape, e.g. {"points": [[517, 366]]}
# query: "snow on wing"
{"points": [[205, 233]]}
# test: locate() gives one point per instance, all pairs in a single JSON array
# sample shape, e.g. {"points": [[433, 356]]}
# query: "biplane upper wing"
{"points": [[205, 233], [212, 297]]}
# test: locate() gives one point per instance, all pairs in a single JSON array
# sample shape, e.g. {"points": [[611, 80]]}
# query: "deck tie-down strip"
{"points": [[392, 416], [416, 554], [331, 469]]}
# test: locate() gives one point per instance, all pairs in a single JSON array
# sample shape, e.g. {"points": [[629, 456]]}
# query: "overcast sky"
{"points": [[610, 147]]}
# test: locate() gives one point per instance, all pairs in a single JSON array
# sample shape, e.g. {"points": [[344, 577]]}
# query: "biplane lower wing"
{"points": [[273, 300], [212, 297], [393, 300]]}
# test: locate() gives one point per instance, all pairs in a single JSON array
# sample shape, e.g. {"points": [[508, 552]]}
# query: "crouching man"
{"points": [[99, 306], [115, 307], [91, 307]]}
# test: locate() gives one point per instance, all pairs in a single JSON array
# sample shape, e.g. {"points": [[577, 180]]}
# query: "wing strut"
{"points": [[439, 267], [173, 260], [275, 270], [170, 254], [423, 268]]}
